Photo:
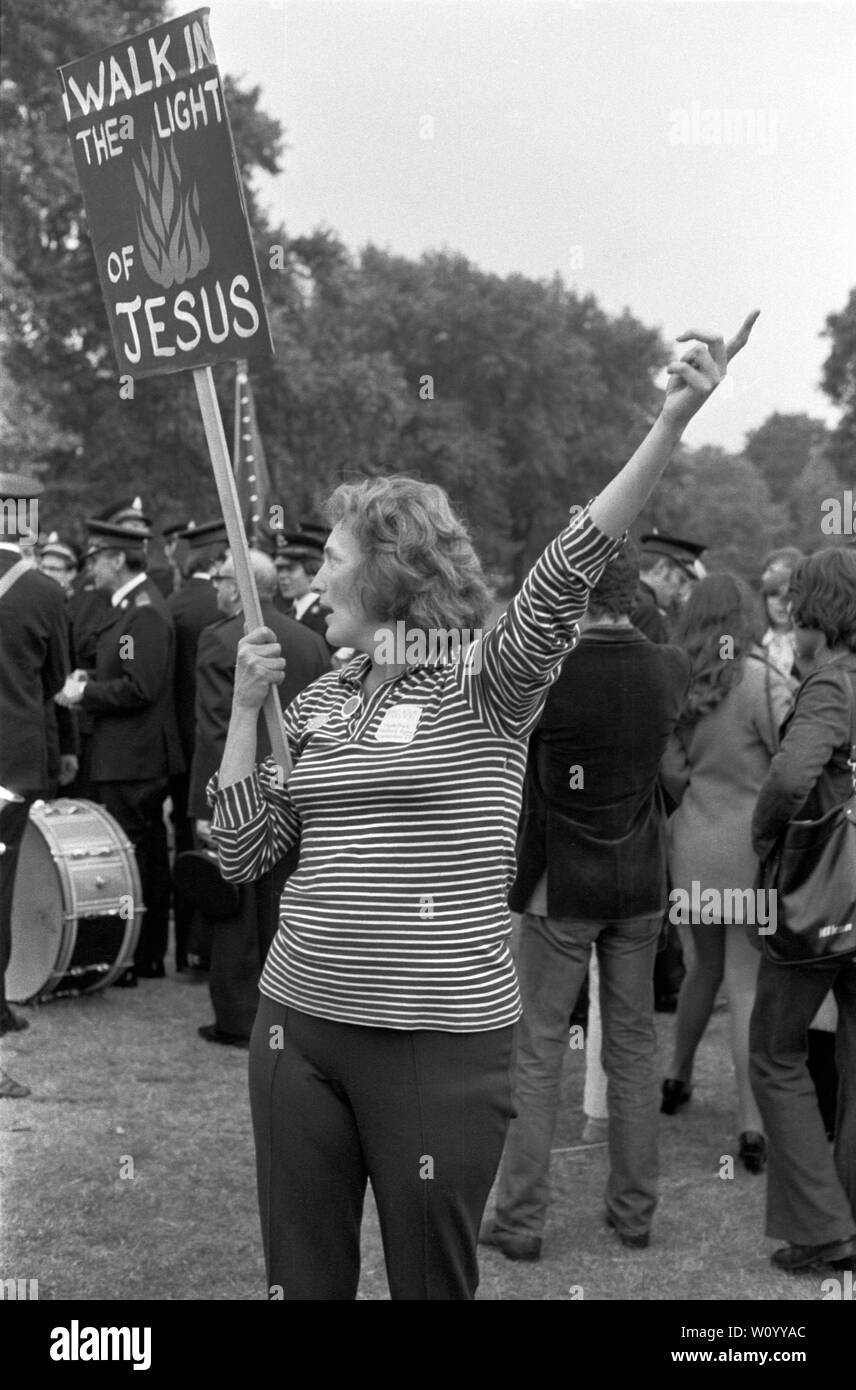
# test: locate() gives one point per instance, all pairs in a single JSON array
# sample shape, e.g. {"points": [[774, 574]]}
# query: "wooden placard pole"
{"points": [[230, 507]]}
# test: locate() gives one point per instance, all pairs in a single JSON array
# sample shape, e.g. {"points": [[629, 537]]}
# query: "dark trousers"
{"points": [[138, 807], [239, 946], [184, 839], [422, 1115], [811, 1188], [13, 823]]}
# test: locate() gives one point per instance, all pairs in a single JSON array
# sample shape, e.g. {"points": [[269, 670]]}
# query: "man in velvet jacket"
{"points": [[592, 871]]}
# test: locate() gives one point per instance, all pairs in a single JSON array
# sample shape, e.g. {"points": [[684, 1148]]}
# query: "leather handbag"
{"points": [[812, 873]]}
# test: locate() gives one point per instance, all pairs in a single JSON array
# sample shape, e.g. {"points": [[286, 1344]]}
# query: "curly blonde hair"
{"points": [[418, 563]]}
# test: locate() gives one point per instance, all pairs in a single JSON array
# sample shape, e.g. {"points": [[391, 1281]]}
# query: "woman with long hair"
{"points": [[811, 1189], [714, 766], [779, 640], [383, 1049]]}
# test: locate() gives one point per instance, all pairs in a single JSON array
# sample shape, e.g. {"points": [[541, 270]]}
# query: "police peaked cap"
{"points": [[126, 512], [686, 554], [207, 533], [105, 535]]}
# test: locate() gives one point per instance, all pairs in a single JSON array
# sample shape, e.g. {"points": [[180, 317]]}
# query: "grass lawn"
{"points": [[122, 1084]]}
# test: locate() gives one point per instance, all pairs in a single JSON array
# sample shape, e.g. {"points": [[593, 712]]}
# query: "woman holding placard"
{"points": [[384, 1044]]}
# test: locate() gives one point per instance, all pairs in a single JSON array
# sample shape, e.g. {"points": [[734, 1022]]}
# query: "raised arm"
{"points": [[509, 670], [691, 382]]}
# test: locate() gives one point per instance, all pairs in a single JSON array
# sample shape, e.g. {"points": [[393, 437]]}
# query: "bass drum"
{"points": [[77, 904]]}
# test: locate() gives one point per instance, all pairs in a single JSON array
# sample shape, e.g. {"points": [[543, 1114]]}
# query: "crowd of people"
{"points": [[138, 721], [632, 734]]}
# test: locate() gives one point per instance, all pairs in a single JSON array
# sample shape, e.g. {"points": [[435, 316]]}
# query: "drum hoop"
{"points": [[71, 915]]}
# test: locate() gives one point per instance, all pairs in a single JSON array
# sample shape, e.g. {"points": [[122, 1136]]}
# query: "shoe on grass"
{"points": [[675, 1094], [513, 1247], [633, 1240], [793, 1259]]}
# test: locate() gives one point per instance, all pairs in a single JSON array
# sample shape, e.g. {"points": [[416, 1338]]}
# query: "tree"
{"points": [[721, 500], [782, 447], [839, 383], [55, 338], [558, 392], [817, 482]]}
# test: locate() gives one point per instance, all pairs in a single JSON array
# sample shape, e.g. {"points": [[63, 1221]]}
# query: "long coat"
{"points": [[306, 658], [135, 737], [34, 662], [715, 769]]}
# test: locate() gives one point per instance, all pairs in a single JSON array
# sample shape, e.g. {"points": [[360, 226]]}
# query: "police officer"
{"points": [[34, 663], [135, 745], [668, 569], [59, 562], [299, 557], [193, 608]]}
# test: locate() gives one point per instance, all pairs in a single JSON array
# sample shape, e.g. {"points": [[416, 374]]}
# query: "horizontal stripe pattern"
{"points": [[396, 916]]}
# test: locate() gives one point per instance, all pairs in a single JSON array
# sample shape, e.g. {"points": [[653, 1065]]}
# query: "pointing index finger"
{"points": [[741, 337]]}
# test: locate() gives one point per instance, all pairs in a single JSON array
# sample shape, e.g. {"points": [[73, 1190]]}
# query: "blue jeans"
{"points": [[552, 963]]}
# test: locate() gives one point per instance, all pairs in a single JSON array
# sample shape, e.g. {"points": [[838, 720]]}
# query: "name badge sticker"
{"points": [[399, 724]]}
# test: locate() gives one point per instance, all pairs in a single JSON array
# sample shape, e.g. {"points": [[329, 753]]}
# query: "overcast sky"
{"points": [[688, 160]]}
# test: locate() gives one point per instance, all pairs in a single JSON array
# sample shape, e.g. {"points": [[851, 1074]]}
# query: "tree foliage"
{"points": [[839, 383], [519, 396]]}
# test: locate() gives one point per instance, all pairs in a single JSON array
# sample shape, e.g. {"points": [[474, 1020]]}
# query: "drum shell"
{"points": [[77, 904]]}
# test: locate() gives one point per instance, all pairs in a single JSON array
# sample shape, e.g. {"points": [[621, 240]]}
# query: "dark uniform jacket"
{"points": [[34, 663], [647, 616], [193, 608], [601, 833], [306, 658], [314, 618], [89, 609], [61, 725], [135, 736]]}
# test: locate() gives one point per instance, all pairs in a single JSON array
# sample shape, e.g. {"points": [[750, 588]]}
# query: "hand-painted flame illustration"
{"points": [[172, 240]]}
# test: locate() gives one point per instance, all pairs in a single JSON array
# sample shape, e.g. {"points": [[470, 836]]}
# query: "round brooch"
{"points": [[350, 706]]}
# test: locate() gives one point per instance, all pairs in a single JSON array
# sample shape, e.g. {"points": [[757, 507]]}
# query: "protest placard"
{"points": [[154, 154], [168, 222]]}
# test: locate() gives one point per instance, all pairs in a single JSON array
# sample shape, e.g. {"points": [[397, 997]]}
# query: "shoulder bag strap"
{"points": [[768, 692], [851, 697], [20, 567]]}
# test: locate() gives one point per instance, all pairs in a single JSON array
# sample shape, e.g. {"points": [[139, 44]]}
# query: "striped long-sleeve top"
{"points": [[405, 802]]}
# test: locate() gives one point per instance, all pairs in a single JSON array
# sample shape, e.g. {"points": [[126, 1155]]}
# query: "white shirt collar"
{"points": [[303, 603], [126, 588]]}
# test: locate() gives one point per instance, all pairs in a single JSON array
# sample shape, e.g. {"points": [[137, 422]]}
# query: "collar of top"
{"points": [[354, 673]]}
